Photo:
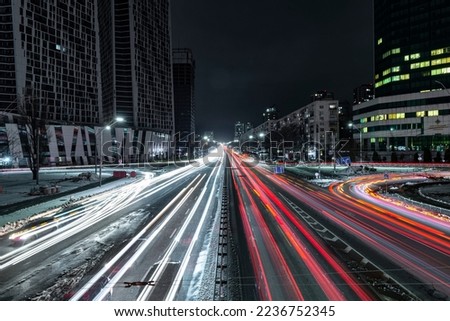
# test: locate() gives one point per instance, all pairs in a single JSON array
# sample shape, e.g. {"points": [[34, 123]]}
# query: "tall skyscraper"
{"points": [[322, 95], [48, 60], [74, 63], [184, 92], [239, 129], [363, 93], [411, 110], [87, 62], [136, 62], [412, 46], [271, 113]]}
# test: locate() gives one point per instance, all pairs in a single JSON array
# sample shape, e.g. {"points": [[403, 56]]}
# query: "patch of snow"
{"points": [[65, 271], [324, 182], [195, 291]]}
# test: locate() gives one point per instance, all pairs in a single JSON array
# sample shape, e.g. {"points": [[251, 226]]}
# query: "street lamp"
{"points": [[441, 84], [262, 135], [108, 127], [360, 140], [334, 148]]}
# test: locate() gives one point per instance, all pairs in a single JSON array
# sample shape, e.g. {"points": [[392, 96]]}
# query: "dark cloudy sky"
{"points": [[252, 54]]}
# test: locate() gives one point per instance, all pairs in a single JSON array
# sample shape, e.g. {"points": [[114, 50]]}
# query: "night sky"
{"points": [[254, 54]]}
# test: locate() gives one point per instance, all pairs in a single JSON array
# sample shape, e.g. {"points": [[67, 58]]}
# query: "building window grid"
{"points": [[395, 116]]}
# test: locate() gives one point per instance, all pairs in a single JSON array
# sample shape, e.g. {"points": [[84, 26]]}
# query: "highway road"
{"points": [[341, 243], [290, 262], [151, 240], [98, 248]]}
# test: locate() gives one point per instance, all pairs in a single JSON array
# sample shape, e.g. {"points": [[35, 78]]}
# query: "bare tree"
{"points": [[32, 130]]}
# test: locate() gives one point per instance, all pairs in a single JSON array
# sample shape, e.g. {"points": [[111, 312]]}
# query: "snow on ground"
{"points": [[17, 186], [196, 290], [63, 272], [201, 287], [324, 182]]}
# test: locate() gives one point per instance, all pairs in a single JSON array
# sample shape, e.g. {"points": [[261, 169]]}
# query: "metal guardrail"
{"points": [[221, 291]]}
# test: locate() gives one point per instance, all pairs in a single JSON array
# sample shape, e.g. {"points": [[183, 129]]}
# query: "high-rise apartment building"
{"points": [[136, 62], [239, 129], [310, 129], [321, 95], [271, 113], [48, 60], [184, 93], [363, 93], [81, 64], [87, 62]]}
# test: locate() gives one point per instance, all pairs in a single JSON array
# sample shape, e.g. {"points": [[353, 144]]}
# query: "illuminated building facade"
{"points": [[363, 93], [412, 46], [312, 127], [239, 129], [411, 109]]}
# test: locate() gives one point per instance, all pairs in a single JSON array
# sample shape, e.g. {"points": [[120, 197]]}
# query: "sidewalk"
{"points": [[17, 204]]}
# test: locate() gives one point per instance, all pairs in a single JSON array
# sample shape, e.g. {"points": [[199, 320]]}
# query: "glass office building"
{"points": [[411, 109]]}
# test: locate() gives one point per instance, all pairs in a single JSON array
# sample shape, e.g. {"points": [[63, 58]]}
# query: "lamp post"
{"points": [[270, 141], [441, 84], [360, 140], [108, 127], [262, 135], [334, 152], [334, 148]]}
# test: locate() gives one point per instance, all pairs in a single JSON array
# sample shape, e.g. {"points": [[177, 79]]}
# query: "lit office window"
{"points": [[440, 61], [440, 71], [440, 51], [378, 117], [421, 64], [387, 80], [437, 52], [396, 116]]}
